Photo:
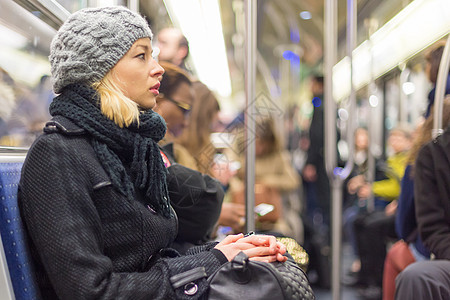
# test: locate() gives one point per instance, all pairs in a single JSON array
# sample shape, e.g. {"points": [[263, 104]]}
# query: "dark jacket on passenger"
{"points": [[88, 240], [432, 195], [432, 94], [405, 215]]}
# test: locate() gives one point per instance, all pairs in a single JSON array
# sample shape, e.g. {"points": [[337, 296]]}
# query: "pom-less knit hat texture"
{"points": [[91, 42]]}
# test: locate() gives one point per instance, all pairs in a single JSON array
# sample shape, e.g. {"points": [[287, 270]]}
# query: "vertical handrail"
{"points": [[351, 45], [403, 97], [441, 83], [133, 5], [330, 54], [250, 76]]}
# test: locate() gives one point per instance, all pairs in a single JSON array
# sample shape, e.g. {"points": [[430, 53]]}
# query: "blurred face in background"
{"points": [[399, 141], [361, 139], [169, 40], [175, 110]]}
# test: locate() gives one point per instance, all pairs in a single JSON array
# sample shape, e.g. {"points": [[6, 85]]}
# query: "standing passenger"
{"points": [[93, 192], [173, 46]]}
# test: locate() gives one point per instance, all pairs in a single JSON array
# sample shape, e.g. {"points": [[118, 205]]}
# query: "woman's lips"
{"points": [[155, 89]]}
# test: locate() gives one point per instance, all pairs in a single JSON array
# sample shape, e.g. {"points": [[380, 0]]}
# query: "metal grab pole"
{"points": [[441, 83], [403, 97], [351, 45], [330, 43], [250, 76]]}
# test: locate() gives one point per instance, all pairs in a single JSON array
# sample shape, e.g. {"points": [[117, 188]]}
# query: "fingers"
{"points": [[281, 248], [262, 240], [232, 238], [281, 258], [268, 258]]}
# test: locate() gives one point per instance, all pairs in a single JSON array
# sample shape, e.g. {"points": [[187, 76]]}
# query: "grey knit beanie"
{"points": [[91, 42]]}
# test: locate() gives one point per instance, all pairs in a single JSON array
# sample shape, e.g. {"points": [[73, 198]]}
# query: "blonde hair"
{"points": [[114, 104]]}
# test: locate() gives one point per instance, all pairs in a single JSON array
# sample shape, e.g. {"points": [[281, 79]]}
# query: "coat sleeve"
{"points": [[390, 188], [431, 205], [65, 228], [316, 132], [405, 218]]}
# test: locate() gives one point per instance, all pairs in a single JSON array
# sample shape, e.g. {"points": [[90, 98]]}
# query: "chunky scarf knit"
{"points": [[135, 146]]}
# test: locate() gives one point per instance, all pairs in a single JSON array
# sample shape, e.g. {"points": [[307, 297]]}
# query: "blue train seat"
{"points": [[15, 246]]}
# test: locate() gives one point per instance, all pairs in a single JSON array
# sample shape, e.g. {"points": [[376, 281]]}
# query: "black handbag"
{"points": [[245, 279]]}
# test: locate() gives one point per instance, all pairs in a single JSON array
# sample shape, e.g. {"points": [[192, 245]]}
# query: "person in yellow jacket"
{"points": [[372, 228], [387, 189]]}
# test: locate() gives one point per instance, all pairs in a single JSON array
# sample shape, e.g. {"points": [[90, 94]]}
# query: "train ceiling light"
{"points": [[200, 21], [417, 26]]}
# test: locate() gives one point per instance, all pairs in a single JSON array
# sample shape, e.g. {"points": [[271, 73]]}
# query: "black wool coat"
{"points": [[432, 195], [88, 241]]}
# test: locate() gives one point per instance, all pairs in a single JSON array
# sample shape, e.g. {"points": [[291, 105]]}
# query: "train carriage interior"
{"points": [[370, 58]]}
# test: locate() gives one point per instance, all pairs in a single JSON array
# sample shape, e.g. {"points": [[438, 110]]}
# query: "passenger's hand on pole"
{"points": [[364, 191], [355, 183]]}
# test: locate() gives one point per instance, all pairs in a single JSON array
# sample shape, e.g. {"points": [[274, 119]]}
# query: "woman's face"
{"points": [[138, 74]]}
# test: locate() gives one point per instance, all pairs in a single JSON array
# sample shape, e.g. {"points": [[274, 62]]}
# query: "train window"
{"points": [[25, 89], [73, 6], [25, 86]]}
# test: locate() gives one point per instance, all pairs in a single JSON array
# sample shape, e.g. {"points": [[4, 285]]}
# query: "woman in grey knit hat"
{"points": [[93, 192]]}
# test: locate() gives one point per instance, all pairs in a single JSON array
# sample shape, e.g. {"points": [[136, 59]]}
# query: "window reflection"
{"points": [[25, 88]]}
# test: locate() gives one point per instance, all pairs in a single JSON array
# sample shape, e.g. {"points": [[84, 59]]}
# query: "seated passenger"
{"points": [[199, 204], [431, 279], [93, 191], [373, 228], [174, 105], [203, 120], [410, 248], [274, 177]]}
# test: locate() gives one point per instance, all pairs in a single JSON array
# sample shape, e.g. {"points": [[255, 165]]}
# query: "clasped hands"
{"points": [[263, 248]]}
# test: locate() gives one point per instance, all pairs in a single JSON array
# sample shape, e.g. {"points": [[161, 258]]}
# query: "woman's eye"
{"points": [[141, 56]]}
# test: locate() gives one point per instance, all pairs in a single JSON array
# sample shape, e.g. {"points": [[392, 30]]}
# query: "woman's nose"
{"points": [[157, 70]]}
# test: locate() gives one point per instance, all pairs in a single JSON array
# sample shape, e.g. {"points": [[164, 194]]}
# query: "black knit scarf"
{"points": [[136, 145]]}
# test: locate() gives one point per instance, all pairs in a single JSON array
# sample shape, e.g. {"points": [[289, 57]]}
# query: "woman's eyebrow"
{"points": [[146, 48]]}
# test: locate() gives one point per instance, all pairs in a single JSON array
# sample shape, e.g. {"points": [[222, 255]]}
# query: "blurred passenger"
{"points": [[372, 229], [386, 190], [8, 102], [314, 171], [199, 205], [93, 193], [29, 112], [431, 279], [433, 59], [173, 46], [356, 205], [274, 177], [203, 120], [410, 248], [174, 105]]}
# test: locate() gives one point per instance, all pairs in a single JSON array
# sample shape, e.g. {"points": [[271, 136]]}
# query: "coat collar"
{"points": [[63, 125]]}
